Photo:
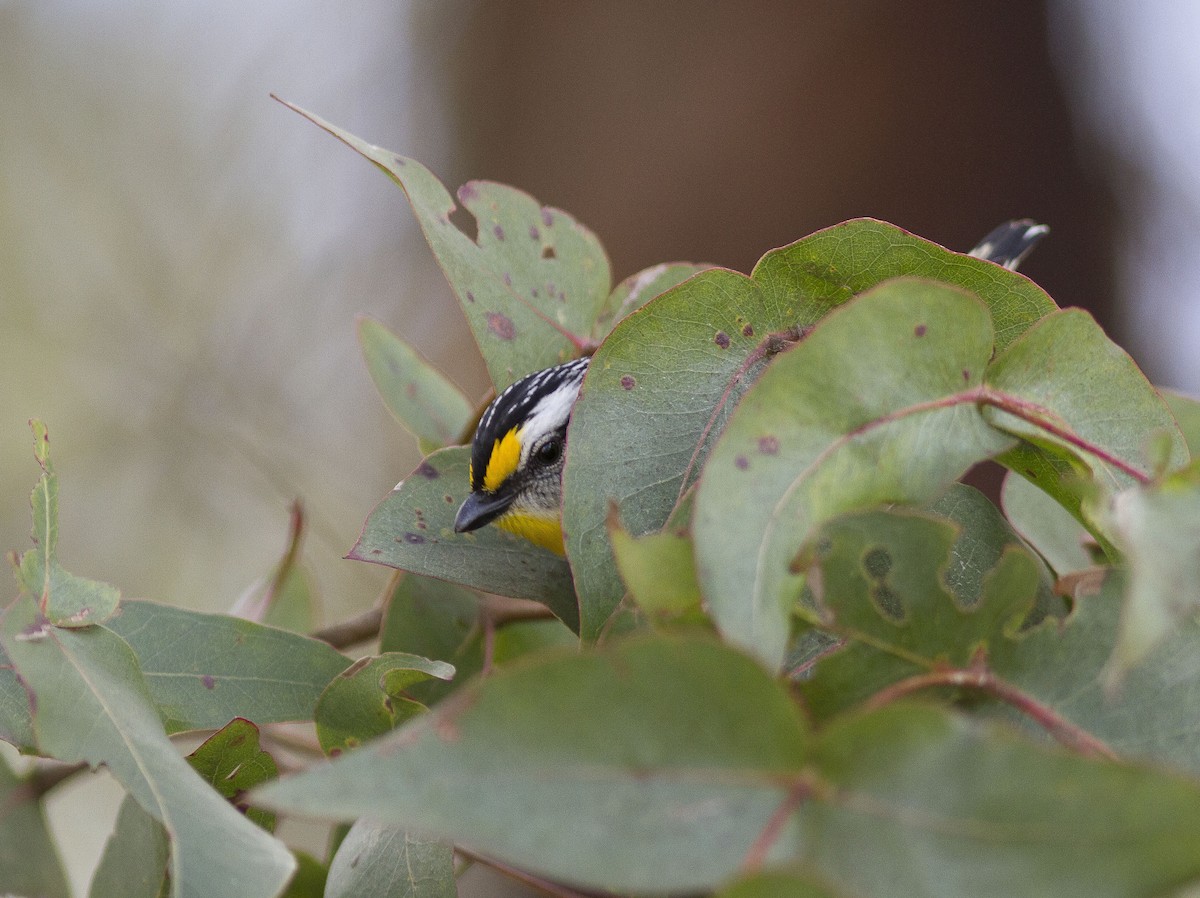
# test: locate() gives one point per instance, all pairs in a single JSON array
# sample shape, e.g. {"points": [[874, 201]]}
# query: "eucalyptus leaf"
{"points": [[531, 282], [134, 862], [777, 884], [877, 405], [232, 761], [29, 862], [638, 289], [1186, 410], [203, 670], [369, 698], [66, 600], [436, 620], [1052, 530], [378, 861], [413, 529], [419, 396], [16, 724], [93, 706], [663, 784], [663, 383], [1158, 529], [1089, 419]]}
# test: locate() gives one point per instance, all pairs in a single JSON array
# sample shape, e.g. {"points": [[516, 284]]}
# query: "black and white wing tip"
{"points": [[1010, 243]]}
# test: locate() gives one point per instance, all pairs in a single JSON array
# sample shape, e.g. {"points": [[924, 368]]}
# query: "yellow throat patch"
{"points": [[506, 455], [541, 530]]}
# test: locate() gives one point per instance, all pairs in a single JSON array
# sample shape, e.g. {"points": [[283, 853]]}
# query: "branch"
{"points": [[353, 631], [1066, 732]]}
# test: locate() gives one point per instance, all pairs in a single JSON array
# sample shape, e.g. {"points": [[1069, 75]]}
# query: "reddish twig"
{"points": [[983, 680], [756, 854]]}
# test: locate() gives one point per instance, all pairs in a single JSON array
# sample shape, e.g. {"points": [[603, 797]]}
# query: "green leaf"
{"points": [[777, 884], [911, 593], [877, 405], [1047, 526], [1187, 414], [638, 289], [912, 782], [376, 861], [309, 881], [203, 670], [29, 863], [16, 725], [67, 600], [413, 529], [435, 620], [93, 706], [662, 385], [1153, 716], [531, 283], [370, 697], [1158, 529], [662, 785], [286, 599], [659, 570], [134, 863], [420, 397], [692, 764], [1072, 381], [527, 637], [233, 763]]}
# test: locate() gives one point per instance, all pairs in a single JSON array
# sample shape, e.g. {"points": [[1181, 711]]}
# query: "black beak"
{"points": [[479, 509]]}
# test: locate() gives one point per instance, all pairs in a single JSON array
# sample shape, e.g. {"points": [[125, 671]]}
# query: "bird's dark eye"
{"points": [[549, 452]]}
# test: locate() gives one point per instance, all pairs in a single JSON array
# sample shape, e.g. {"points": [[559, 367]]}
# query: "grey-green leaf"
{"points": [[413, 529], [203, 670], [420, 397], [378, 861], [532, 281], [134, 863], [876, 406], [29, 863], [662, 785], [92, 705]]}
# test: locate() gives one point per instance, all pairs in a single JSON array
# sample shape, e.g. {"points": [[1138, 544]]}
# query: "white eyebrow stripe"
{"points": [[549, 415]]}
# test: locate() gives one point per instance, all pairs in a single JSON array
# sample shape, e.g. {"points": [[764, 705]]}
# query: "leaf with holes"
{"points": [[1155, 714], [91, 705], [419, 396], [532, 281], [877, 405], [66, 600], [664, 382], [413, 529], [370, 698], [203, 670], [910, 592]]}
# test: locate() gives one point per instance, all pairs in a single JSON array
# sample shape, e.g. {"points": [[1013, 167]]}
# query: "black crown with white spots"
{"points": [[515, 405]]}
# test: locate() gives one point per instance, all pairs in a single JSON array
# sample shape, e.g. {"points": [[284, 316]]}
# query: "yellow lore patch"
{"points": [[541, 530], [506, 455]]}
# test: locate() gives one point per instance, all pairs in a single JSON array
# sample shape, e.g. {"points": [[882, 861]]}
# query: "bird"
{"points": [[518, 449]]}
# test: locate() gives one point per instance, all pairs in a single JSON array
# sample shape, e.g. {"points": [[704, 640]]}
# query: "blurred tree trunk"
{"points": [[715, 131]]}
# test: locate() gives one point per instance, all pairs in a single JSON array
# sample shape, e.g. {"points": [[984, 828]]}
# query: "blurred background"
{"points": [[182, 259]]}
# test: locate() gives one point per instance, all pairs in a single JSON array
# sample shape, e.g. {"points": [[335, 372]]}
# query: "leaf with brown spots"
{"points": [[862, 412], [412, 529], [695, 349], [531, 283]]}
